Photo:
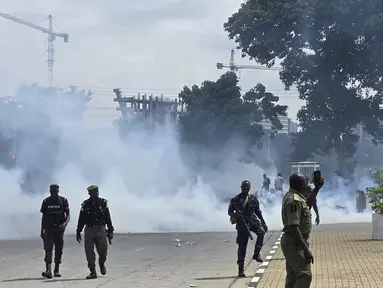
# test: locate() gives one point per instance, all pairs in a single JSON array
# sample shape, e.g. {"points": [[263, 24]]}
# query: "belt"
{"points": [[95, 226], [54, 226], [305, 236]]}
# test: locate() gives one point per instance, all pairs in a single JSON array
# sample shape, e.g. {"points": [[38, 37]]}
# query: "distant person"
{"points": [[314, 204], [247, 205], [266, 183], [296, 219], [278, 184], [95, 215], [56, 216]]}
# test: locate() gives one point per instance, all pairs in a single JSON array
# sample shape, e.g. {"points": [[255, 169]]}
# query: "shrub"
{"points": [[375, 194]]}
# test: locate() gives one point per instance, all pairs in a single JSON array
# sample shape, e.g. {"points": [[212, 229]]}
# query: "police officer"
{"points": [[296, 219], [94, 214], [55, 218], [247, 205]]}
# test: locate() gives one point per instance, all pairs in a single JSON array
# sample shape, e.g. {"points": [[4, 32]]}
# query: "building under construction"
{"points": [[146, 111]]}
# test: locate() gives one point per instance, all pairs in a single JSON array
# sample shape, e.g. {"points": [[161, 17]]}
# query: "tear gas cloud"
{"points": [[145, 178]]}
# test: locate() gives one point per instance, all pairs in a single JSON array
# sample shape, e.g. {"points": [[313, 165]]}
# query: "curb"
{"points": [[262, 268]]}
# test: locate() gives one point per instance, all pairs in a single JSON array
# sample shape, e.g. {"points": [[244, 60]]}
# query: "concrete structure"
{"points": [[146, 111], [288, 125]]}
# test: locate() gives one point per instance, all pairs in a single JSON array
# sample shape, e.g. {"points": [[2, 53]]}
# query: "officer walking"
{"points": [[94, 214], [247, 205], [296, 219], [55, 218]]}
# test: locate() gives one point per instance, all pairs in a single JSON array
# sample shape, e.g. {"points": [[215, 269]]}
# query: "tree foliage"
{"points": [[375, 194], [331, 51], [216, 111]]}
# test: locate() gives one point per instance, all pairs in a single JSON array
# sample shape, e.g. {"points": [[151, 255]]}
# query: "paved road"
{"points": [[135, 260]]}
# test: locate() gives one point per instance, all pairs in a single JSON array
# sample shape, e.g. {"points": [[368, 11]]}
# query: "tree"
{"points": [[331, 51], [216, 112], [375, 194]]}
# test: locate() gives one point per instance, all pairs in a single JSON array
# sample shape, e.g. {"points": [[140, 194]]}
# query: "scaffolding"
{"points": [[147, 111]]}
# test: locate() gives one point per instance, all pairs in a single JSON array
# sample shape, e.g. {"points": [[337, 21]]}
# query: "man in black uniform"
{"points": [[247, 205], [94, 214], [56, 216]]}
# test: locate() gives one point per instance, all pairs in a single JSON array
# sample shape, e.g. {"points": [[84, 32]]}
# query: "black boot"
{"points": [[241, 271], [257, 255], [56, 272], [93, 274], [48, 271], [102, 268]]}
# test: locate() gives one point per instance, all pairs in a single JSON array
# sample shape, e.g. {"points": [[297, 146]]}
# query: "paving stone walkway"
{"points": [[345, 256]]}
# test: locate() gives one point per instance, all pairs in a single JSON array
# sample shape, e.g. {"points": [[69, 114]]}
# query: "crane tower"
{"points": [[234, 68], [51, 38]]}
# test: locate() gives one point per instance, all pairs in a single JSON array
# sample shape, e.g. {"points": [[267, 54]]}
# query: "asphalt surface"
{"points": [[135, 260]]}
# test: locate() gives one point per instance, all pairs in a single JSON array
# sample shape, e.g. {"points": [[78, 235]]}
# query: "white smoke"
{"points": [[145, 179]]}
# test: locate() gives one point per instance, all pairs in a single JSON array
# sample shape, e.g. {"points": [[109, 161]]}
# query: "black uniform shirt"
{"points": [[54, 210], [250, 210], [93, 214]]}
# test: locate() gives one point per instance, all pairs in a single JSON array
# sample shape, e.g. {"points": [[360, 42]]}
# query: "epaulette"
{"points": [[82, 205], [298, 198]]}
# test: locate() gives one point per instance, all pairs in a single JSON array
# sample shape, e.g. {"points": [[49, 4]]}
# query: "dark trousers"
{"points": [[298, 271], [53, 237], [243, 239], [95, 236]]}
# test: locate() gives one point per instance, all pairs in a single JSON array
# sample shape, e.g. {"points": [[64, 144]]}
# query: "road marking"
{"points": [[140, 249], [260, 272]]}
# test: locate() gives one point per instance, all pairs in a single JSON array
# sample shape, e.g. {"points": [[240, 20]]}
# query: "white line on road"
{"points": [[142, 248], [260, 272]]}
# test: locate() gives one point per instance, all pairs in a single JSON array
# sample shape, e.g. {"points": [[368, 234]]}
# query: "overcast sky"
{"points": [[155, 46]]}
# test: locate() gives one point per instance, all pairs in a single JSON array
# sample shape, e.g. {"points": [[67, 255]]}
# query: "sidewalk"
{"points": [[344, 254]]}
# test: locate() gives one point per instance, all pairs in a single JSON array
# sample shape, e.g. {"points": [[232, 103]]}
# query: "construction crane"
{"points": [[51, 37], [234, 68]]}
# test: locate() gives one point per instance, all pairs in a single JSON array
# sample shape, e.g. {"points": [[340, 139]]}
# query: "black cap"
{"points": [[54, 187]]}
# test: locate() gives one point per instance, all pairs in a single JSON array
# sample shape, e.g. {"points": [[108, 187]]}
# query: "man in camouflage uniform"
{"points": [[296, 218], [247, 205], [94, 214]]}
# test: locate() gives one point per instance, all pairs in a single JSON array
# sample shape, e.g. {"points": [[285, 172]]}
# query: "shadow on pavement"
{"points": [[216, 278], [363, 240], [65, 280], [23, 279]]}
